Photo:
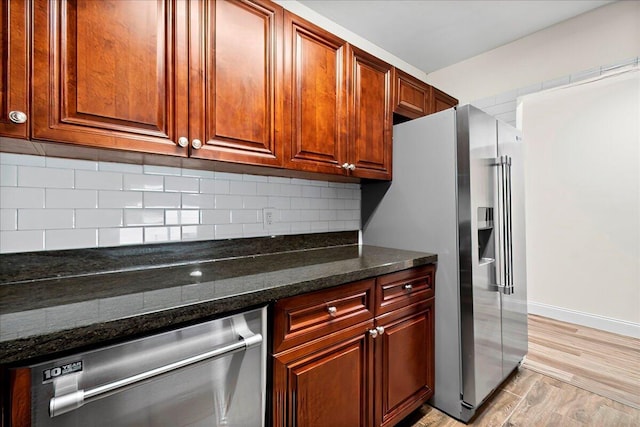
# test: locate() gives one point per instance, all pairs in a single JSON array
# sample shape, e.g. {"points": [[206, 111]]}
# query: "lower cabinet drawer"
{"points": [[302, 318], [405, 287]]}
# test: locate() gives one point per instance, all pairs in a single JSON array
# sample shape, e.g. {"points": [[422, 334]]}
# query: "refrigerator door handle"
{"points": [[503, 239]]}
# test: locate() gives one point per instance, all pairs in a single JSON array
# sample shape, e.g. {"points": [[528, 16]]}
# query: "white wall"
{"points": [[605, 35], [583, 199]]}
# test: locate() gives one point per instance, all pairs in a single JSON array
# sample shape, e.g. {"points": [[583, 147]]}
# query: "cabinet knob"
{"points": [[17, 117], [183, 141], [351, 167], [196, 143], [408, 287], [373, 333], [345, 166], [332, 310], [380, 330]]}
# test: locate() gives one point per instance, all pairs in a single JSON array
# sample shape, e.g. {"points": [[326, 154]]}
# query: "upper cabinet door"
{"points": [[237, 107], [411, 96], [111, 73], [315, 97], [441, 101], [371, 116], [14, 68]]}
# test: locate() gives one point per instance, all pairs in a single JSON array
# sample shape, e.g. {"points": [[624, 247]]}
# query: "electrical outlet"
{"points": [[268, 217]]}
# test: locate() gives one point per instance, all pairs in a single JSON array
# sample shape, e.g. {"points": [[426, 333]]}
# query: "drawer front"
{"points": [[303, 318], [405, 287]]}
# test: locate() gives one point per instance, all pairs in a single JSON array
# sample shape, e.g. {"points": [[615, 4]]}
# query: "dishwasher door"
{"points": [[209, 374]]}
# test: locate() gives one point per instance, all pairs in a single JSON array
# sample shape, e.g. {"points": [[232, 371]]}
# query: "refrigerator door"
{"points": [[481, 335], [514, 305]]}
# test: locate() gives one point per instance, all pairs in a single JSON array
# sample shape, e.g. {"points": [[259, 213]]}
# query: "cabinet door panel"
{"points": [[243, 82], [315, 103], [326, 383], [370, 103], [106, 74], [14, 61], [406, 362], [411, 96], [441, 101]]}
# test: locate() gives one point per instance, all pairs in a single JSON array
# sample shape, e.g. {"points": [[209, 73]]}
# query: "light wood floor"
{"points": [[563, 395]]}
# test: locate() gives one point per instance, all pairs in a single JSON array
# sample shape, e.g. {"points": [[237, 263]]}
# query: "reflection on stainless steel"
{"points": [[208, 374], [458, 182]]}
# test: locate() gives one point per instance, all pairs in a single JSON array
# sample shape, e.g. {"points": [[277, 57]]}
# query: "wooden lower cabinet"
{"points": [[326, 383], [371, 373], [404, 357]]}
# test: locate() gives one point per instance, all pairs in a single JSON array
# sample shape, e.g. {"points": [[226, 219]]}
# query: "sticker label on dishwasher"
{"points": [[51, 374]]}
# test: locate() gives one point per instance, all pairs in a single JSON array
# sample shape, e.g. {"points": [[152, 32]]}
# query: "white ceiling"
{"points": [[432, 34]]}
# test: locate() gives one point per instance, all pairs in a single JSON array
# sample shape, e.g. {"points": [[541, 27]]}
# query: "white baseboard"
{"points": [[595, 321]]}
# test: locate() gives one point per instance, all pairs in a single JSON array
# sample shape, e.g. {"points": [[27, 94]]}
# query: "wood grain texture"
{"points": [[598, 361], [565, 393], [411, 97]]}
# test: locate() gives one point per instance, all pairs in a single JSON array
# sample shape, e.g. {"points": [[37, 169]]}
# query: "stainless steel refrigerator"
{"points": [[457, 190]]}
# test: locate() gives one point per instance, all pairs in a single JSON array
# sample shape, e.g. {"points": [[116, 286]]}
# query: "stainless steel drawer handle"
{"points": [[61, 404], [408, 287], [332, 311]]}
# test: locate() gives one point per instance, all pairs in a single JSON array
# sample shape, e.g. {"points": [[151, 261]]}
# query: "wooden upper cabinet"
{"points": [[411, 97], [237, 107], [441, 101], [14, 68], [315, 97], [111, 73], [370, 116]]}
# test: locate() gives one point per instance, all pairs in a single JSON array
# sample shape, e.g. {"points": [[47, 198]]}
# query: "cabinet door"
{"points": [[410, 96], [240, 119], [14, 68], [441, 101], [404, 362], [326, 383], [315, 97], [111, 73], [371, 120]]}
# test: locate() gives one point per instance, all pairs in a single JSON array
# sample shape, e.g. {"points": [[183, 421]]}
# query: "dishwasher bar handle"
{"points": [[62, 404]]}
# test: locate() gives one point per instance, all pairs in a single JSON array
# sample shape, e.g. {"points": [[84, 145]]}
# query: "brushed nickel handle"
{"points": [[17, 117], [380, 330], [408, 287], [196, 143], [332, 310], [373, 333], [183, 141]]}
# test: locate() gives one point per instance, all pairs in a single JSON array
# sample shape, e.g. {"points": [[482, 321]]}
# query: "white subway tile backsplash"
{"points": [[57, 162], [16, 197], [161, 234], [8, 219], [97, 218], [40, 219], [198, 232], [217, 216], [120, 167], [181, 184], [29, 176], [228, 202], [120, 236], [21, 241], [198, 201], [59, 199], [244, 188], [152, 199], [21, 160], [143, 182], [119, 199], [98, 180], [112, 204], [8, 175], [71, 239], [137, 217]]}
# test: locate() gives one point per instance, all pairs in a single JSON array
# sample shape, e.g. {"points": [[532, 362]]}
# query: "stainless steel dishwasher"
{"points": [[209, 374]]}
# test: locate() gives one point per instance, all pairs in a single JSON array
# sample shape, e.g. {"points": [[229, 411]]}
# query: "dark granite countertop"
{"points": [[51, 303]]}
